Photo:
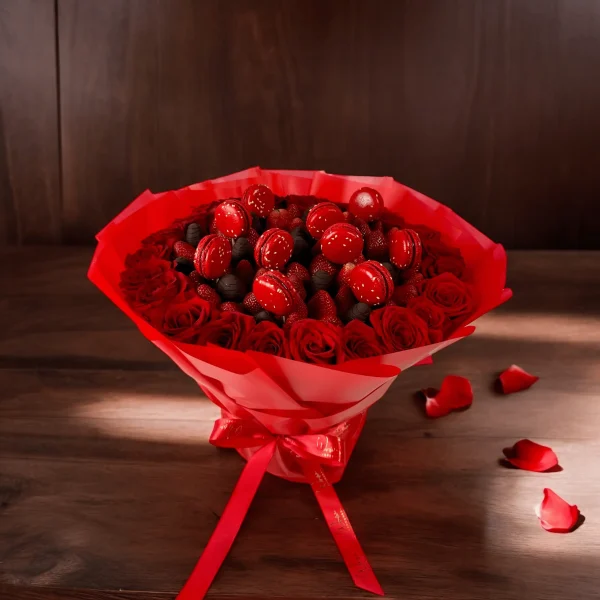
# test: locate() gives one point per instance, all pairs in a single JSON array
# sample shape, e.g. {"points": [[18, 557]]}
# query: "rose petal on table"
{"points": [[530, 456], [555, 514], [515, 379], [456, 393]]}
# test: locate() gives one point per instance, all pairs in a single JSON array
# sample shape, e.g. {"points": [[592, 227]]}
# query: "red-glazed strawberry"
{"points": [[333, 320], [348, 217], [294, 210], [296, 223], [299, 271], [320, 263], [273, 249], [360, 259], [377, 226], [377, 246], [371, 283], [344, 300], [300, 309], [291, 319], [279, 218], [322, 305], [260, 272], [298, 285], [259, 200], [343, 277], [231, 307], [362, 226], [342, 243], [213, 227], [184, 250], [195, 278], [232, 218], [245, 271], [252, 236], [403, 293], [322, 216], [275, 292], [366, 203], [413, 277], [207, 293], [405, 248], [251, 304], [213, 256]]}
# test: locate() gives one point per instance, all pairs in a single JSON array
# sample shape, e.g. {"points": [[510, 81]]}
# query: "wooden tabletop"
{"points": [[109, 489]]}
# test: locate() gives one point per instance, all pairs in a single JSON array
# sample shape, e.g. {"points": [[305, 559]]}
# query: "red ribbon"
{"points": [[313, 452]]}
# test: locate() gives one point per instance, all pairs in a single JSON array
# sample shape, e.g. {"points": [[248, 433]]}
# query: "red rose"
{"points": [[316, 342], [151, 298], [426, 234], [182, 320], [359, 341], [227, 331], [161, 242], [434, 265], [433, 315], [399, 328], [450, 294], [269, 338], [140, 272], [140, 258]]}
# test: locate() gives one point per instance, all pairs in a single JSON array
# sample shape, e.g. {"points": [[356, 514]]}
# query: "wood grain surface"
{"points": [[488, 106], [109, 489], [30, 196]]}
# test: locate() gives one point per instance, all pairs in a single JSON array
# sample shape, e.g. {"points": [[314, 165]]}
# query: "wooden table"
{"points": [[109, 490]]}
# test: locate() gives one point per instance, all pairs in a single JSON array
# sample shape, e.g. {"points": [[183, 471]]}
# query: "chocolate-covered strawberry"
{"points": [[231, 288]]}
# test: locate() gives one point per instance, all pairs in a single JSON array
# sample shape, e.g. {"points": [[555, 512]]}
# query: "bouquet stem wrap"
{"points": [[295, 420], [313, 454]]}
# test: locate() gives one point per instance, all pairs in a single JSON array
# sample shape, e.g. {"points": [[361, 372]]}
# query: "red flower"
{"points": [[555, 514], [399, 328], [161, 242], [182, 320], [228, 330], [433, 315], [269, 338], [456, 393], [530, 456], [359, 341], [140, 272], [317, 342], [140, 258], [450, 294], [514, 379], [444, 263]]}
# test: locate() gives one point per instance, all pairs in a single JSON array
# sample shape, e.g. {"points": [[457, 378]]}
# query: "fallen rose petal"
{"points": [[456, 393], [530, 456], [514, 379], [555, 514]]}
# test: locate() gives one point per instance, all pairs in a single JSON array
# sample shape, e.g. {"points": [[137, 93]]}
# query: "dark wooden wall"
{"points": [[490, 106]]}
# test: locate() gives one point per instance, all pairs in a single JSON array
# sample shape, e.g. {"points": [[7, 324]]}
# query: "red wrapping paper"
{"points": [[281, 410]]}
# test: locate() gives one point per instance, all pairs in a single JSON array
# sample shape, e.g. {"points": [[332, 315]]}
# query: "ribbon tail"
{"points": [[356, 561], [228, 526]]}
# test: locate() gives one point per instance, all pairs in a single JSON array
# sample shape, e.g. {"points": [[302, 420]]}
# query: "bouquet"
{"points": [[294, 299]]}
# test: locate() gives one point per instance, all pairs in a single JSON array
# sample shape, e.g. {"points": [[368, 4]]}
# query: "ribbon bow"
{"points": [[312, 452]]}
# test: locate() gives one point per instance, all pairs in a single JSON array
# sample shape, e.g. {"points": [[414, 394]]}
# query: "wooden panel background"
{"points": [[30, 209], [490, 106]]}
